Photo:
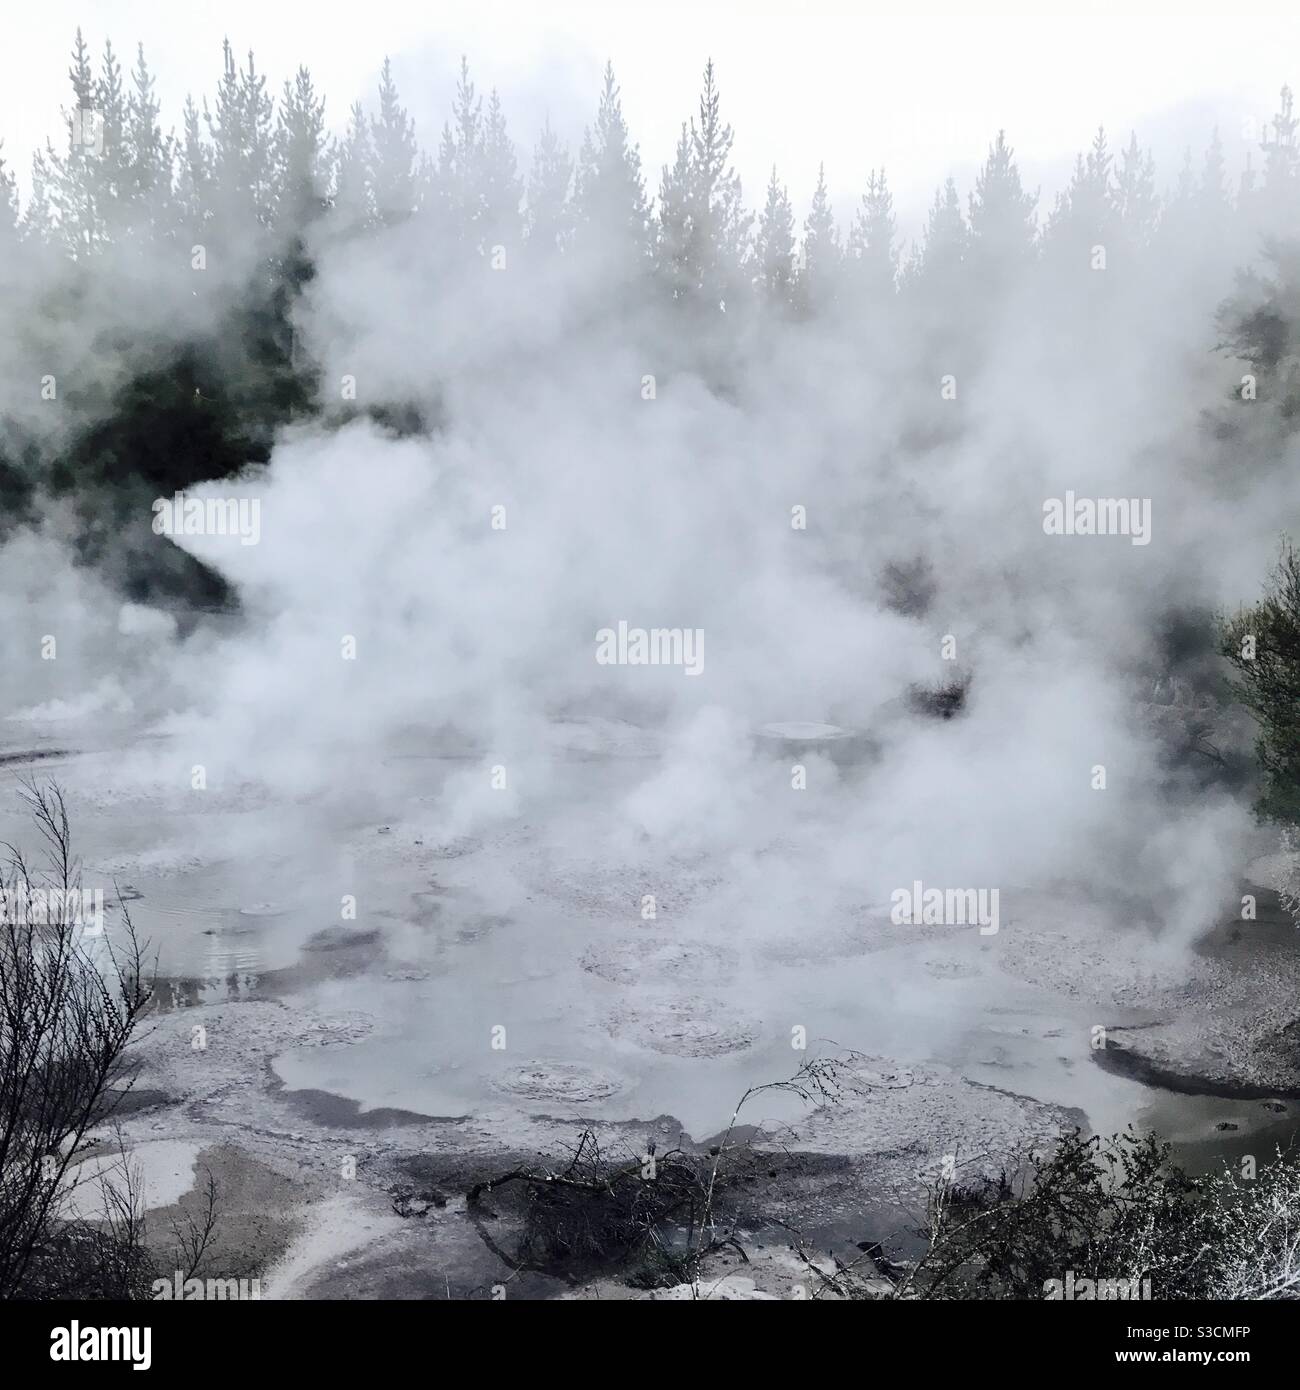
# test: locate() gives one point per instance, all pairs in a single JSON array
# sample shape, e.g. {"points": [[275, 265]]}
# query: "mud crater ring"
{"points": [[629, 959], [263, 909], [683, 1028], [565, 1083]]}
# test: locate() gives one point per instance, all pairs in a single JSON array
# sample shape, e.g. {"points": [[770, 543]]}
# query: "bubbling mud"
{"points": [[633, 958], [563, 1082], [684, 1028]]}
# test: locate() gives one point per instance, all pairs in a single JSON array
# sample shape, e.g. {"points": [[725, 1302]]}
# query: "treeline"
{"points": [[248, 163]]}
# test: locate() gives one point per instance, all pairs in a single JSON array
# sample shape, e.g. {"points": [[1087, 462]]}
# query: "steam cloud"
{"points": [[522, 387]]}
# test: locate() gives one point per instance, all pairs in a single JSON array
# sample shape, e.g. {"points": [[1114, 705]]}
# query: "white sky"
{"points": [[920, 87]]}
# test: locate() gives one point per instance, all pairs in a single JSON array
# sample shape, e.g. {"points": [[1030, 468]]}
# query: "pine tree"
{"points": [[945, 245], [706, 251], [458, 193], [550, 215], [1001, 218], [393, 189], [38, 220], [675, 222], [1281, 153], [112, 169], [939, 287], [259, 116], [70, 181], [1136, 201], [9, 215], [721, 224], [821, 256], [1279, 199], [1085, 216], [151, 154], [300, 160], [300, 155], [353, 208], [301, 179], [872, 250], [499, 186], [774, 246], [946, 235], [610, 211], [241, 154], [194, 179]]}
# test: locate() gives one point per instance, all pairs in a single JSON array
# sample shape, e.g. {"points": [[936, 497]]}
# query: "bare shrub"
{"points": [[70, 1002], [653, 1217], [1113, 1211]]}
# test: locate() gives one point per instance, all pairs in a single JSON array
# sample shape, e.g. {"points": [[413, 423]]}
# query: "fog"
{"points": [[511, 440]]}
